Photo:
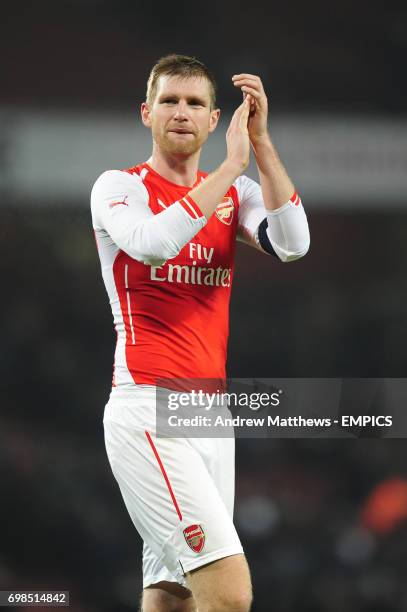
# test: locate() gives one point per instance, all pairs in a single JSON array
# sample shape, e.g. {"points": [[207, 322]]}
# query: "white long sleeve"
{"points": [[286, 228], [120, 210]]}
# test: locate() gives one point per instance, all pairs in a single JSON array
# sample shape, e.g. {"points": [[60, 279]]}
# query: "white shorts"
{"points": [[179, 492]]}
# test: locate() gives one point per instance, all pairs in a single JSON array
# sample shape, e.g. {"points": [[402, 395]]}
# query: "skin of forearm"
{"points": [[276, 186], [210, 192]]}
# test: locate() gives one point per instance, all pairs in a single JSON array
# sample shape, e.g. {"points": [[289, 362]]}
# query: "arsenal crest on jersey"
{"points": [[224, 210], [195, 537]]}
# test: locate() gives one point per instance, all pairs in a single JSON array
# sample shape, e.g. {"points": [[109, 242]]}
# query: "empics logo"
{"points": [[224, 210], [195, 537]]}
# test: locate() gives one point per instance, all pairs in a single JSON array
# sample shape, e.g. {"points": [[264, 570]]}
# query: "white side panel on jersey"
{"points": [[108, 252]]}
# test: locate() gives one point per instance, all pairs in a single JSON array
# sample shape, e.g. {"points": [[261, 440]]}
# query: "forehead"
{"points": [[183, 86]]}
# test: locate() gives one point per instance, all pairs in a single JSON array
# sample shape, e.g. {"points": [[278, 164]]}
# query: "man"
{"points": [[166, 236]]}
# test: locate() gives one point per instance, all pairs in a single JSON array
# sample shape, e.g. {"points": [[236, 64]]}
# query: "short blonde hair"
{"points": [[182, 66]]}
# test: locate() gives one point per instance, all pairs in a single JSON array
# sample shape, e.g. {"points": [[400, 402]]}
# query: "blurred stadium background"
{"points": [[323, 522]]}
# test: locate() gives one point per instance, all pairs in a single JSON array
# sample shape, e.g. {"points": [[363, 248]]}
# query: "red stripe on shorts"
{"points": [[164, 473]]}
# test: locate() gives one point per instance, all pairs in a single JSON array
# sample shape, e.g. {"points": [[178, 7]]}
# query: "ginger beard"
{"points": [[173, 143]]}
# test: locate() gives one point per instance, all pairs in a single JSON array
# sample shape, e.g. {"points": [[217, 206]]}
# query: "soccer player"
{"points": [[166, 235]]}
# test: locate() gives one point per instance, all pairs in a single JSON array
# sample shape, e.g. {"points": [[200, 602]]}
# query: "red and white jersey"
{"points": [[171, 314]]}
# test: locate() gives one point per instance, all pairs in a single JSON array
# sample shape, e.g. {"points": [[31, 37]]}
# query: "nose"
{"points": [[181, 111]]}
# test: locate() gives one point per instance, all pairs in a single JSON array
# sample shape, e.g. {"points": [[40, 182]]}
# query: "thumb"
{"points": [[244, 117]]}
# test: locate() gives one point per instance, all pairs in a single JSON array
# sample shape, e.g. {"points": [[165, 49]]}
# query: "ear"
{"points": [[213, 120], [145, 114]]}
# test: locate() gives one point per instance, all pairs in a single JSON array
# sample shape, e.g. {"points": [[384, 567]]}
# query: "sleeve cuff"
{"points": [[191, 207], [295, 199]]}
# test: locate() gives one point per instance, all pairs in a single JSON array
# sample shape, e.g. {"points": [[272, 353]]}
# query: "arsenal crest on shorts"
{"points": [[195, 537], [224, 210]]}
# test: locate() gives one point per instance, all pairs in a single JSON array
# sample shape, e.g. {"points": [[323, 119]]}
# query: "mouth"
{"points": [[181, 131]]}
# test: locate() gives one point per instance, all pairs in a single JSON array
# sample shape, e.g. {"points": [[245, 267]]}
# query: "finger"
{"points": [[253, 84], [247, 80], [250, 98], [245, 112], [253, 92], [237, 114], [240, 109], [245, 76], [252, 102]]}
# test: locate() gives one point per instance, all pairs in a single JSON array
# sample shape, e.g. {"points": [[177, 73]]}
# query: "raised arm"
{"points": [[284, 230]]}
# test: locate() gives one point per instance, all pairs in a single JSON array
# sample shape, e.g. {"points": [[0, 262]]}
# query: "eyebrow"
{"points": [[191, 99]]}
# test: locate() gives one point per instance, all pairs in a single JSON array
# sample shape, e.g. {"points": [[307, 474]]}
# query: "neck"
{"points": [[180, 170]]}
